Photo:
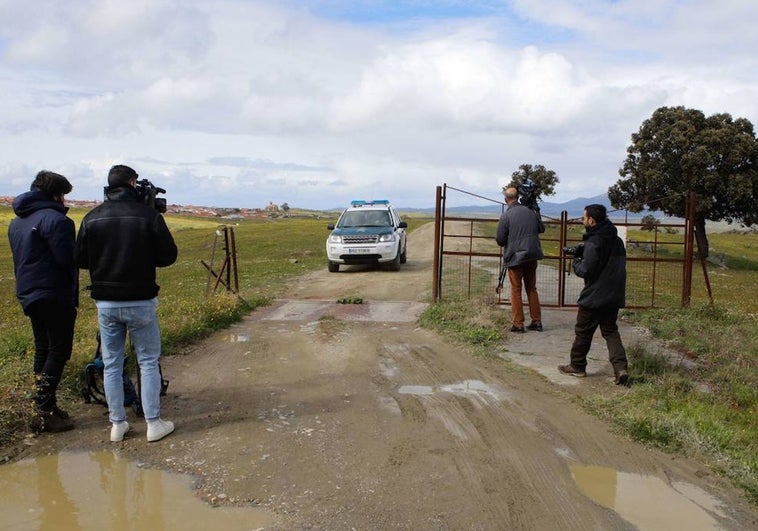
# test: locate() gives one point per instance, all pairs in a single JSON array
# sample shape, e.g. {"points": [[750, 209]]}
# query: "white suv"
{"points": [[367, 232]]}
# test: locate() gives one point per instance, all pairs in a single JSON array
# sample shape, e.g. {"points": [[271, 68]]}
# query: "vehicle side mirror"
{"points": [[330, 226], [402, 225]]}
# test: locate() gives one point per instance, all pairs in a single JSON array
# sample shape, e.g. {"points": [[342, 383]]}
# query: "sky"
{"points": [[314, 103]]}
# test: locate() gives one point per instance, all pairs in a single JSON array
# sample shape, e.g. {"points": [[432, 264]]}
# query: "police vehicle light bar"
{"points": [[361, 202]]}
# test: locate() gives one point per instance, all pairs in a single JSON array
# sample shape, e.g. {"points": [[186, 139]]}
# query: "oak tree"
{"points": [[544, 179], [678, 150]]}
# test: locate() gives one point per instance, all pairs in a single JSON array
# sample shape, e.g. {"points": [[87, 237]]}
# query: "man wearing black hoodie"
{"points": [[601, 262], [42, 241]]}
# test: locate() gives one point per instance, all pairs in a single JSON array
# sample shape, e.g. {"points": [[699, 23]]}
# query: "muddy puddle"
{"points": [[470, 388], [236, 338], [649, 502], [100, 490]]}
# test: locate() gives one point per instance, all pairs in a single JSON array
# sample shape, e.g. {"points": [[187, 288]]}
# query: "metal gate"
{"points": [[468, 261]]}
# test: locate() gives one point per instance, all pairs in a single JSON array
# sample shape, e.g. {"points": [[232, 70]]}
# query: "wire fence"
{"points": [[469, 261]]}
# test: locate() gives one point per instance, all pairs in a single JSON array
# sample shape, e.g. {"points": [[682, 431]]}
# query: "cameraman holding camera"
{"points": [[121, 242], [518, 233], [601, 262]]}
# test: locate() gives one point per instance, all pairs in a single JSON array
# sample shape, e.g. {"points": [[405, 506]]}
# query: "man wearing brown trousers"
{"points": [[518, 232]]}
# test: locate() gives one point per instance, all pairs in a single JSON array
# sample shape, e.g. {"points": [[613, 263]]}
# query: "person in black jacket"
{"points": [[121, 242], [47, 286], [601, 262]]}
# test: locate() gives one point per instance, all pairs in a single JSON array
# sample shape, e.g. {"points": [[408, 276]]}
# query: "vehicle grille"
{"points": [[360, 238]]}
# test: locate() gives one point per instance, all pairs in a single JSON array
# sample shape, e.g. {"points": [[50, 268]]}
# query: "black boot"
{"points": [[58, 412], [47, 421]]}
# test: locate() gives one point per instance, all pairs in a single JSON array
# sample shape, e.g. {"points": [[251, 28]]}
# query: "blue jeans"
{"points": [[142, 324]]}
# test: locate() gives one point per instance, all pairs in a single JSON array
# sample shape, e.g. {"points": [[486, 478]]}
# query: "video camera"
{"points": [[146, 192], [528, 192], [577, 251]]}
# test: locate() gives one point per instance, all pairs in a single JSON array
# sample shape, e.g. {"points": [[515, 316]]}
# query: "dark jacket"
{"points": [[121, 242], [603, 268], [42, 242], [518, 232]]}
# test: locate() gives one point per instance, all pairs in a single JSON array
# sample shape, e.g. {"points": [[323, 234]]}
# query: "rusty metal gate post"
{"points": [[438, 231], [563, 263]]}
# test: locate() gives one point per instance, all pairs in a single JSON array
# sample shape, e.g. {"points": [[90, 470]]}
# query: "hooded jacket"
{"points": [[42, 240], [603, 268], [121, 242], [518, 232]]}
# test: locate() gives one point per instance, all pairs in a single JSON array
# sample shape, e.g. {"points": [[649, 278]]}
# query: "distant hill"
{"points": [[574, 208]]}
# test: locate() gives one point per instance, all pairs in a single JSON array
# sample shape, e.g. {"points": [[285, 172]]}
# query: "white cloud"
{"points": [[242, 102]]}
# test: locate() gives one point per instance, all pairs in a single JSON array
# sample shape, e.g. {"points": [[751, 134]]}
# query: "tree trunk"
{"points": [[701, 239]]}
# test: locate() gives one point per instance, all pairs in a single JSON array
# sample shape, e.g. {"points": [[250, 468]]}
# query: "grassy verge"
{"points": [[708, 409], [472, 321]]}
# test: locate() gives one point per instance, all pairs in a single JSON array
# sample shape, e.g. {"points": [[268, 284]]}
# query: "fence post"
{"points": [[689, 239], [562, 261], [437, 265]]}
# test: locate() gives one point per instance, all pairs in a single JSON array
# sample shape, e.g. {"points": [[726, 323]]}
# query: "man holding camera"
{"points": [[601, 262], [121, 242], [518, 233]]}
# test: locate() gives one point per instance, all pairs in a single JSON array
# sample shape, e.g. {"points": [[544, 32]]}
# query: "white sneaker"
{"points": [[158, 429], [118, 430]]}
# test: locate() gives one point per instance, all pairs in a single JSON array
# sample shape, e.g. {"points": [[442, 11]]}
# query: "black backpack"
{"points": [[93, 389]]}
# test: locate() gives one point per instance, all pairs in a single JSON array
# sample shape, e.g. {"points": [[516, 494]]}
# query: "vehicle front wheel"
{"points": [[404, 256], [333, 267], [395, 264]]}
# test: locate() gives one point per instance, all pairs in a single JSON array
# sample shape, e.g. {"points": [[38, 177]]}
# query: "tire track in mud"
{"points": [[491, 444], [501, 446]]}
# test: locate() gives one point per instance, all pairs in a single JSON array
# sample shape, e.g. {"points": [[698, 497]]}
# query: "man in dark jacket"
{"points": [[601, 262], [121, 242], [47, 286], [518, 232]]}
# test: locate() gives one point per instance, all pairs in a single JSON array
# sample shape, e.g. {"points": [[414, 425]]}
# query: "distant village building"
{"points": [[272, 207]]}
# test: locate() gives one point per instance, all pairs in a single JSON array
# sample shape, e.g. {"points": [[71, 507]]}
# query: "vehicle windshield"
{"points": [[368, 218]]}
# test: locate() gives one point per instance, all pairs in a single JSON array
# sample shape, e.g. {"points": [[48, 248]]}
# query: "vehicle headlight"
{"points": [[333, 238], [387, 238]]}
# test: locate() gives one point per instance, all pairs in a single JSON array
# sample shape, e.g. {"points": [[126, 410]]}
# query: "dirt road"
{"points": [[339, 416]]}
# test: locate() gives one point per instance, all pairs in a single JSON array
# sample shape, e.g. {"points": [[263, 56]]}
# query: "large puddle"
{"points": [[100, 490], [648, 502]]}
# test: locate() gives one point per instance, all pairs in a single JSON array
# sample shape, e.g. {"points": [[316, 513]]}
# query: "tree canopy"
{"points": [[544, 179], [649, 223], [678, 150]]}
